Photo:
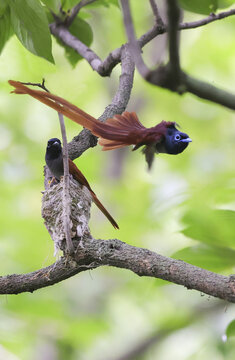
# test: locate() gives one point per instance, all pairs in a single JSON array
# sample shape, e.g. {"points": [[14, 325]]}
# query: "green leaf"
{"points": [[212, 258], [29, 21], [105, 3], [230, 331], [5, 28], [53, 5], [3, 6], [69, 4], [82, 30], [225, 3], [199, 7], [214, 227]]}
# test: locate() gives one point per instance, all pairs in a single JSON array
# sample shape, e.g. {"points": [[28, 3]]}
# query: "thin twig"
{"points": [[209, 19], [61, 32], [75, 10], [41, 85], [134, 46], [156, 13], [66, 195], [104, 68]]}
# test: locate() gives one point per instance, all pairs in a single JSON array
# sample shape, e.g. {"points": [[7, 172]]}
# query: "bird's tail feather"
{"points": [[57, 103]]}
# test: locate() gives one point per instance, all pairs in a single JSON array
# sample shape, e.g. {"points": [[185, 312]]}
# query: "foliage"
{"points": [[205, 6], [185, 206], [28, 20]]}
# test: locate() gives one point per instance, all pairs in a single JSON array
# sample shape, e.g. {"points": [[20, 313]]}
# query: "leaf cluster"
{"points": [[29, 20]]}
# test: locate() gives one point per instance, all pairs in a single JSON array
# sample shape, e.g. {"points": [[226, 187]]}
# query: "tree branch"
{"points": [[211, 18], [75, 10], [104, 68], [85, 139], [143, 262], [173, 14], [134, 45], [209, 92], [156, 13], [170, 76]]}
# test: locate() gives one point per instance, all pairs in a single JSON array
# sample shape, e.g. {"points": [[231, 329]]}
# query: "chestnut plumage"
{"points": [[119, 131], [54, 160]]}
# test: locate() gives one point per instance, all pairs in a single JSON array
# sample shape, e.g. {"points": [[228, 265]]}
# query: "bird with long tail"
{"points": [[119, 131]]}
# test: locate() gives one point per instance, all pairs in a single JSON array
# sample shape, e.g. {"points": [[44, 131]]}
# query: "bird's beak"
{"points": [[186, 140]]}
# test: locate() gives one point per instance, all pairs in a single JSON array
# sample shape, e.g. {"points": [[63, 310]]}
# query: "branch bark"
{"points": [[173, 14], [75, 10], [133, 43], [143, 262], [171, 76], [104, 68], [156, 13], [85, 139]]}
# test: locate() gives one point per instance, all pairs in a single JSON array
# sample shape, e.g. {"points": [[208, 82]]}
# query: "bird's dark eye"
{"points": [[177, 137]]}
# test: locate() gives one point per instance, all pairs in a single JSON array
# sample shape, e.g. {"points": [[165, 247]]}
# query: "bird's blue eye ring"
{"points": [[177, 137]]}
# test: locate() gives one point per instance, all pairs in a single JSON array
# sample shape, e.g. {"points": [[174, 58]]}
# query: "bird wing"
{"points": [[78, 175], [121, 130]]}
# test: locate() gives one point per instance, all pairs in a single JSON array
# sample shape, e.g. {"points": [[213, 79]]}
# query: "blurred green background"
{"points": [[183, 208]]}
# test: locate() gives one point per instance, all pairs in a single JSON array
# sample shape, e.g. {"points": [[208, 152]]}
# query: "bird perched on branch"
{"points": [[119, 131], [54, 160]]}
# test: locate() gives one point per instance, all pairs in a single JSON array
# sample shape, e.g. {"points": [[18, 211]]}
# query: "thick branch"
{"points": [[115, 253], [104, 68], [85, 139], [209, 92], [158, 77], [173, 14], [70, 40], [134, 44]]}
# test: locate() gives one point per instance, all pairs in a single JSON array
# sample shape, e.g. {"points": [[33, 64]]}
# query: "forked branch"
{"points": [[143, 262]]}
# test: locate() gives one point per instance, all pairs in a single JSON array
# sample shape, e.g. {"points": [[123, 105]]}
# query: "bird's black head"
{"points": [[175, 140], [54, 148]]}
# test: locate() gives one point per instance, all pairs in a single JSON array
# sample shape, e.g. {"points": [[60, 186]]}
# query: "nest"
{"points": [[52, 212]]}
